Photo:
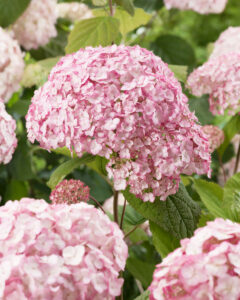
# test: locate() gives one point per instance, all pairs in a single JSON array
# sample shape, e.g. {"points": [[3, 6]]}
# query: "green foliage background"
{"points": [[182, 38]]}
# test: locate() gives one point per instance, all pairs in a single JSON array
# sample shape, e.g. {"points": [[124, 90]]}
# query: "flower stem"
{"points": [[98, 204], [123, 212], [222, 167], [131, 231], [111, 8], [115, 206], [237, 159]]}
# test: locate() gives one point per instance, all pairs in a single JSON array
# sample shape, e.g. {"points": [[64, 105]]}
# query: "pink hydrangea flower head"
{"points": [[215, 136], [11, 65], [59, 252], [200, 6], [74, 11], [70, 192], [122, 103], [206, 266], [36, 25], [8, 140], [229, 41], [219, 77]]}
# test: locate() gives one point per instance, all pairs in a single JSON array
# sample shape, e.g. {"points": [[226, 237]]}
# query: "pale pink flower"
{"points": [[36, 25], [11, 65], [215, 136], [125, 104], [228, 41], [206, 266], [59, 252], [70, 192], [74, 11], [200, 6], [219, 77], [8, 140]]}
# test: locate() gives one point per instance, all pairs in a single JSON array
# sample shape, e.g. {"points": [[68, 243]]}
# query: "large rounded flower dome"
{"points": [[206, 266], [125, 104], [59, 252]]}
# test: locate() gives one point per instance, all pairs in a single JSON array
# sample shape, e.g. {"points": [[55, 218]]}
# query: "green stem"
{"points": [[111, 8], [131, 231], [98, 204], [237, 160], [222, 167], [123, 212], [115, 206]]}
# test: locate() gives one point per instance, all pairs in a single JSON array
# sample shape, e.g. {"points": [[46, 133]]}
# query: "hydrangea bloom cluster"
{"points": [[8, 140], [74, 11], [215, 136], [207, 266], [70, 192], [59, 252], [125, 104], [219, 77], [11, 65], [36, 25], [228, 41], [200, 6]]}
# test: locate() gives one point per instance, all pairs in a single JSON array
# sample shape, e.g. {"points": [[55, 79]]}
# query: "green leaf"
{"points": [[64, 151], [149, 5], [178, 214], [230, 130], [174, 50], [15, 190], [141, 270], [127, 5], [211, 195], [200, 106], [93, 32], [144, 296], [99, 165], [131, 216], [21, 165], [99, 187], [11, 10], [180, 72], [163, 240], [127, 23], [231, 197], [63, 170], [19, 109], [204, 218]]}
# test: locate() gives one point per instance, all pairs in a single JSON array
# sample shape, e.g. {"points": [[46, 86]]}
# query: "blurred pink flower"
{"points": [[200, 6], [219, 77], [228, 41], [207, 266], [8, 140], [125, 104], [59, 252], [74, 11], [215, 136], [36, 25], [70, 192], [11, 65]]}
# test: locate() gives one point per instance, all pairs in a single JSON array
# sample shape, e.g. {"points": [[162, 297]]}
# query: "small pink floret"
{"points": [[70, 192]]}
